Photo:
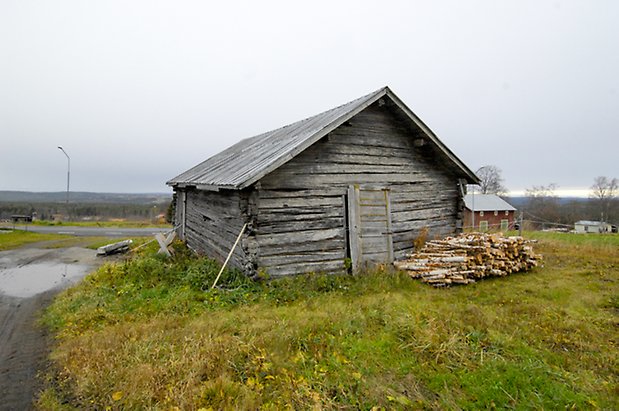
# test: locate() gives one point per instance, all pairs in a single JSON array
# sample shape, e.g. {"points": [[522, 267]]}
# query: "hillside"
{"points": [[83, 205], [83, 197]]}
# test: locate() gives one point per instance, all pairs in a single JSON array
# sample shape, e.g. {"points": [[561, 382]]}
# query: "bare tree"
{"points": [[543, 205], [541, 191], [604, 190], [491, 181]]}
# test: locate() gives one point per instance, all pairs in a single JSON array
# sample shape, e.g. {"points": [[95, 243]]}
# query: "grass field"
{"points": [[148, 333], [14, 239]]}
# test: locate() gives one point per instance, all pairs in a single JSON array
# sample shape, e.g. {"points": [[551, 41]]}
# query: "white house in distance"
{"points": [[584, 226]]}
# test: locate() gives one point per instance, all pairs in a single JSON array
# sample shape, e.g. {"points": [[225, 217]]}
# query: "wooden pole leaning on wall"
{"points": [[229, 255]]}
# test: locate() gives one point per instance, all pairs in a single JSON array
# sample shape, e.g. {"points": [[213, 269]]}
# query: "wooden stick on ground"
{"points": [[229, 255]]}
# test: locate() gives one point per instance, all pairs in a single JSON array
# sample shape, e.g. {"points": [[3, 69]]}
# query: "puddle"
{"points": [[31, 279]]}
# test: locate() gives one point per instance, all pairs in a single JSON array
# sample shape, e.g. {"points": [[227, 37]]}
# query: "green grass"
{"points": [[148, 333], [10, 240], [15, 239]]}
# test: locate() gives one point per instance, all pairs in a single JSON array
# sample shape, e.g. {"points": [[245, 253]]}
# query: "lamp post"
{"points": [[68, 170]]}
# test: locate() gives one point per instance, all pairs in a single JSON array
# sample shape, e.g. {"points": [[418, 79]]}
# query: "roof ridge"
{"points": [[367, 96]]}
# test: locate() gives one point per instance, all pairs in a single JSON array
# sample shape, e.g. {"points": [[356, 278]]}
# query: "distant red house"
{"points": [[491, 212]]}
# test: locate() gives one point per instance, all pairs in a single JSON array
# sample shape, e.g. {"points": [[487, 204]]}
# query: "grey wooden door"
{"points": [[369, 222]]}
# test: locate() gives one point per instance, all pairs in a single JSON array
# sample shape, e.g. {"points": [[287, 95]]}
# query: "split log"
{"points": [[467, 257], [114, 248]]}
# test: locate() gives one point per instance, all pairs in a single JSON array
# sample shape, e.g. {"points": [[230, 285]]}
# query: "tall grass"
{"points": [[149, 333]]}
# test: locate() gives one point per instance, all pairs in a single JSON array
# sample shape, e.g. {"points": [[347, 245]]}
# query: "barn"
{"points": [[488, 212], [349, 187]]}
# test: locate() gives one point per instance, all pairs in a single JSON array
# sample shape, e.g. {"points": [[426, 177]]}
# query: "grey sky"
{"points": [[139, 91]]}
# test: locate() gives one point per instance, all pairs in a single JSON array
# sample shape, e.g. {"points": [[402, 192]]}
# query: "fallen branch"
{"points": [[114, 248]]}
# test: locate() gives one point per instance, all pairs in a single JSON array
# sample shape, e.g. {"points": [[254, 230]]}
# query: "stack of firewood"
{"points": [[468, 257]]}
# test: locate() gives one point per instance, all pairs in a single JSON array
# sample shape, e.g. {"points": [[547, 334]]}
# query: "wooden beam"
{"points": [[354, 225]]}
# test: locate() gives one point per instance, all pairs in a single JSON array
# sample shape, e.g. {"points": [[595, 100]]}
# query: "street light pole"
{"points": [[68, 170]]}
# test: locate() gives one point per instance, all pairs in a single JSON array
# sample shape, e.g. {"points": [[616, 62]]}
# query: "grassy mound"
{"points": [[149, 333]]}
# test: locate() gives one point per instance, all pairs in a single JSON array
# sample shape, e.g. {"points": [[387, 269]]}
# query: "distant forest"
{"points": [[539, 212], [551, 211], [84, 206]]}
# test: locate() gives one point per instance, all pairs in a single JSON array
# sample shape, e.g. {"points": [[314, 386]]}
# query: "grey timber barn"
{"points": [[352, 186]]}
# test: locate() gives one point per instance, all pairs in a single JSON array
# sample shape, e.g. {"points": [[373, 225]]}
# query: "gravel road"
{"points": [[30, 277]]}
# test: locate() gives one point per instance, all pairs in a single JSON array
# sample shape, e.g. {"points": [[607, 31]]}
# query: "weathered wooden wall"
{"points": [[213, 222], [300, 230], [300, 223]]}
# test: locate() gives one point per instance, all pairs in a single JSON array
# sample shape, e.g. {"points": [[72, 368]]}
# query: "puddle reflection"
{"points": [[32, 279]]}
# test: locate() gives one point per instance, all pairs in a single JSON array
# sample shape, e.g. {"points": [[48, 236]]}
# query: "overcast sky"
{"points": [[139, 91]]}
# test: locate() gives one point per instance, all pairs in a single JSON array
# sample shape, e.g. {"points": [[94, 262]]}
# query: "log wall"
{"points": [[301, 210], [213, 222]]}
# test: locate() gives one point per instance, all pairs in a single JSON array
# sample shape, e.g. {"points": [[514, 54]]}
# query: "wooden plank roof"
{"points": [[247, 161]]}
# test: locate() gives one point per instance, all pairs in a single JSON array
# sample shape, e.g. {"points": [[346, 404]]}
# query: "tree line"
{"points": [[543, 208], [49, 211]]}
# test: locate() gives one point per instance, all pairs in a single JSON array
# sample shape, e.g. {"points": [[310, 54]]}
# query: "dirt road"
{"points": [[29, 279]]}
